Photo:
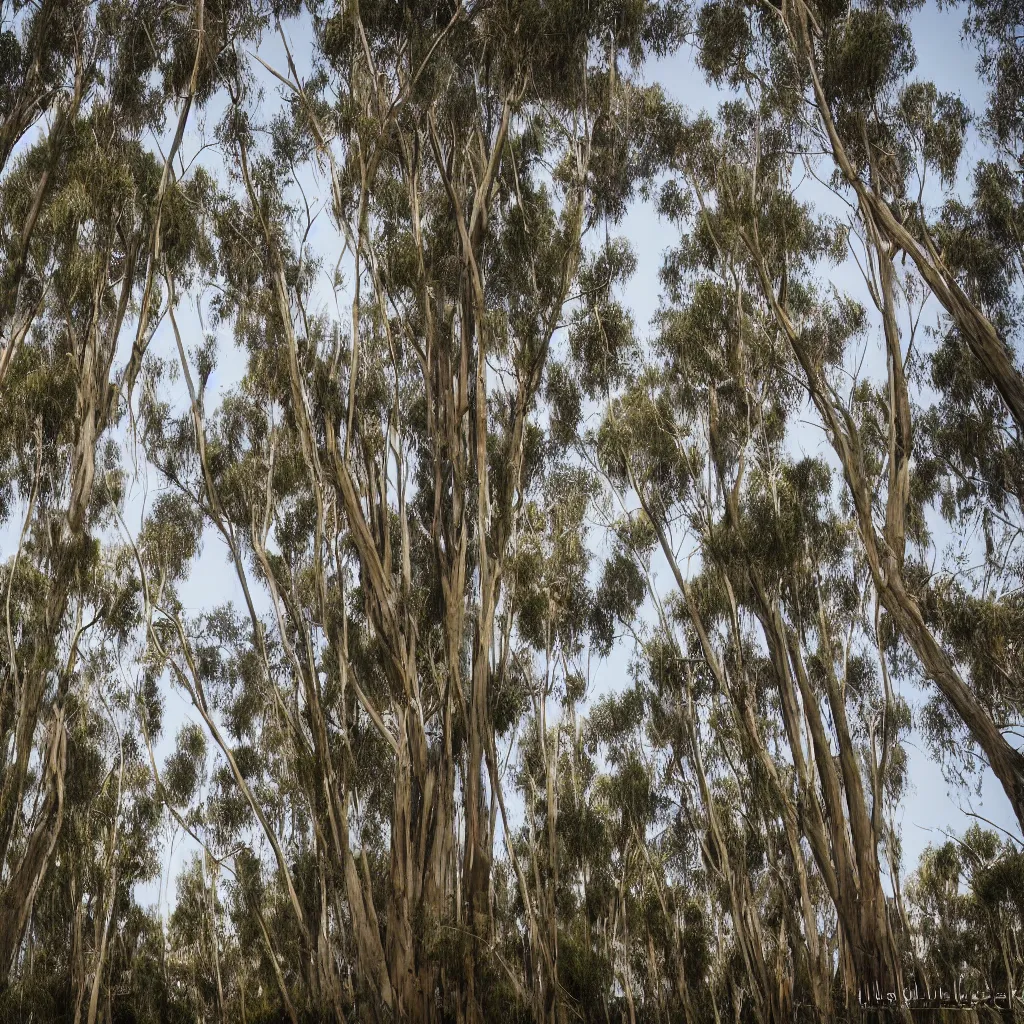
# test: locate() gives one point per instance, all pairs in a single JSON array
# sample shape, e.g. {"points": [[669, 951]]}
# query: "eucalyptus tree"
{"points": [[86, 928], [369, 478], [90, 217], [552, 600], [966, 897], [779, 624], [841, 85], [886, 135]]}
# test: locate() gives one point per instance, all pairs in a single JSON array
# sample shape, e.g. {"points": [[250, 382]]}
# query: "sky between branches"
{"points": [[932, 805]]}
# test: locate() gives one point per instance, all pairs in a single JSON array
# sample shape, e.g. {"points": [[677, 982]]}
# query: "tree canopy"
{"points": [[396, 626]]}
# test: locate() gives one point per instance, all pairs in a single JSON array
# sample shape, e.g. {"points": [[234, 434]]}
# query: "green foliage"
{"points": [[571, 663]]}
